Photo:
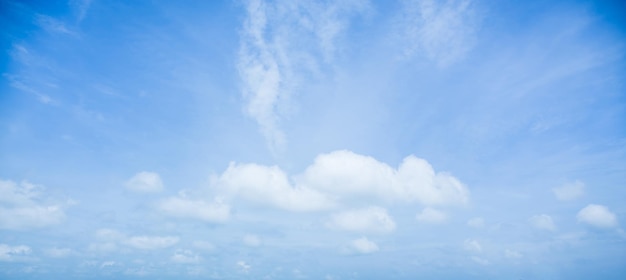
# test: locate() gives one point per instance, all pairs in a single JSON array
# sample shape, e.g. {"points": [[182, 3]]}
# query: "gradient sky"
{"points": [[349, 139]]}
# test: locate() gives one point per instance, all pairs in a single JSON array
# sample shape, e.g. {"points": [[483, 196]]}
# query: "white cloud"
{"points": [[215, 212], [570, 191], [511, 254], [543, 222], [363, 246], [185, 256], [280, 40], [151, 242], [598, 216], [344, 173], [341, 176], [443, 31], [145, 182], [269, 185], [472, 246], [476, 222], [22, 207], [371, 219], [12, 253], [251, 240], [431, 216]]}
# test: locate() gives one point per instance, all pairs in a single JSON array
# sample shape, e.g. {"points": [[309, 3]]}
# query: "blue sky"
{"points": [[349, 139]]}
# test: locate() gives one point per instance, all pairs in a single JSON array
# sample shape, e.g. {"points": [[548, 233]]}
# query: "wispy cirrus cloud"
{"points": [[281, 42], [441, 31]]}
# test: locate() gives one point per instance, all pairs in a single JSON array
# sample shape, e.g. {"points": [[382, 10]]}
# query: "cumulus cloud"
{"points": [[185, 256], [341, 176], [215, 212], [570, 191], [279, 40], [344, 173], [598, 216], [431, 216], [22, 206], [269, 185], [543, 222], [372, 219], [12, 253], [145, 182], [442, 31], [151, 242], [363, 246]]}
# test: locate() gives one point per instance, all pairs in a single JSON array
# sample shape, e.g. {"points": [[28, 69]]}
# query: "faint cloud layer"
{"points": [[543, 222], [442, 31], [570, 191], [431, 216], [146, 182], [363, 246], [280, 41], [12, 253], [23, 206], [371, 219]]}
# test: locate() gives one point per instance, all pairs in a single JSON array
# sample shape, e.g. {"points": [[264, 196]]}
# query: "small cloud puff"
{"points": [[145, 182], [597, 216], [363, 246], [570, 191], [372, 219], [431, 216], [543, 222]]}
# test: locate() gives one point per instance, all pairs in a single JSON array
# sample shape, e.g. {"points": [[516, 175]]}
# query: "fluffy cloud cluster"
{"points": [[341, 176], [270, 185], [146, 182], [22, 207], [597, 216], [371, 219]]}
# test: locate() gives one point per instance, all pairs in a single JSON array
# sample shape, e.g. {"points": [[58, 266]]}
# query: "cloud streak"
{"points": [[280, 41]]}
